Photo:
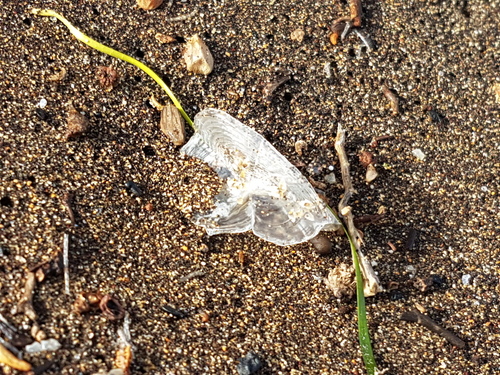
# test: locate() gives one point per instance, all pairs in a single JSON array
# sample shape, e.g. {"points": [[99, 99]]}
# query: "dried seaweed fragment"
{"points": [[263, 191]]}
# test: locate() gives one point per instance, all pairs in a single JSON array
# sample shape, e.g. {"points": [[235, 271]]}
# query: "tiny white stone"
{"points": [[418, 154], [43, 103], [466, 279]]}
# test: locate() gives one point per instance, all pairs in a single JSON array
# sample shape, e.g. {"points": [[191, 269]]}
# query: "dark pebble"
{"points": [[396, 295], [41, 114], [134, 188], [177, 313], [249, 364]]}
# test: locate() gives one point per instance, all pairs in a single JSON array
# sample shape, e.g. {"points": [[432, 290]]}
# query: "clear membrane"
{"points": [[263, 191]]}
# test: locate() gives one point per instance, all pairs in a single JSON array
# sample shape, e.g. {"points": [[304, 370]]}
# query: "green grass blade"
{"points": [[363, 333], [114, 53]]}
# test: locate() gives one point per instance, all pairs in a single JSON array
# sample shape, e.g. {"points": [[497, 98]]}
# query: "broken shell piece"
{"points": [[57, 76], [172, 124], [163, 38], [197, 56], [263, 191], [149, 4], [9, 359], [300, 146], [77, 124], [371, 173], [111, 308], [87, 301], [297, 35], [341, 280]]}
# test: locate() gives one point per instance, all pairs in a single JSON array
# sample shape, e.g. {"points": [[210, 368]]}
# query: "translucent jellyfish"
{"points": [[263, 191]]}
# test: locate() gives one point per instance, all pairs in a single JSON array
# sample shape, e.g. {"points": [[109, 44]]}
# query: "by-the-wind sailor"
{"points": [[263, 191]]}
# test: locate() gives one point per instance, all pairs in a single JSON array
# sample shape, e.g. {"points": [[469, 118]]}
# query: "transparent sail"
{"points": [[263, 192]]}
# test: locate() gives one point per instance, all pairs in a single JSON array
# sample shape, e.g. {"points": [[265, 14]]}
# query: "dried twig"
{"points": [[356, 12], [431, 325], [25, 305], [67, 199], [371, 281]]}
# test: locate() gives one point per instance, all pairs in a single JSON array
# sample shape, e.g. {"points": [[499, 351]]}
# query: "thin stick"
{"points": [[112, 52], [431, 325], [371, 282], [354, 241], [66, 263]]}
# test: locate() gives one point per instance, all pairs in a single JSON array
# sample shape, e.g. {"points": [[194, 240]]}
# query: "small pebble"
{"points": [[77, 124], [411, 270], [322, 245], [371, 173], [172, 124], [42, 103], [134, 188], [330, 178], [42, 115], [197, 56], [300, 146]]}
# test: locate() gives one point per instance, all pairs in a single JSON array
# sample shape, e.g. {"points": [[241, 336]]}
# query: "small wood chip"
{"points": [[9, 359], [172, 124], [356, 12]]}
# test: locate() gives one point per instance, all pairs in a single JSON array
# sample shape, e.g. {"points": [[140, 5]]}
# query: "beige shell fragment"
{"points": [[58, 76], [300, 146], [371, 173], [197, 56], [149, 4], [172, 124]]}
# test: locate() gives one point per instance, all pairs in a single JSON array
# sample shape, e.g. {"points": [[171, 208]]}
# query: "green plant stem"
{"points": [[363, 332], [114, 53]]}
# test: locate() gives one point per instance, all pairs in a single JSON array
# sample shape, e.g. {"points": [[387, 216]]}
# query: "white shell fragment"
{"points": [[263, 191], [50, 345], [418, 154], [371, 173], [197, 56]]}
